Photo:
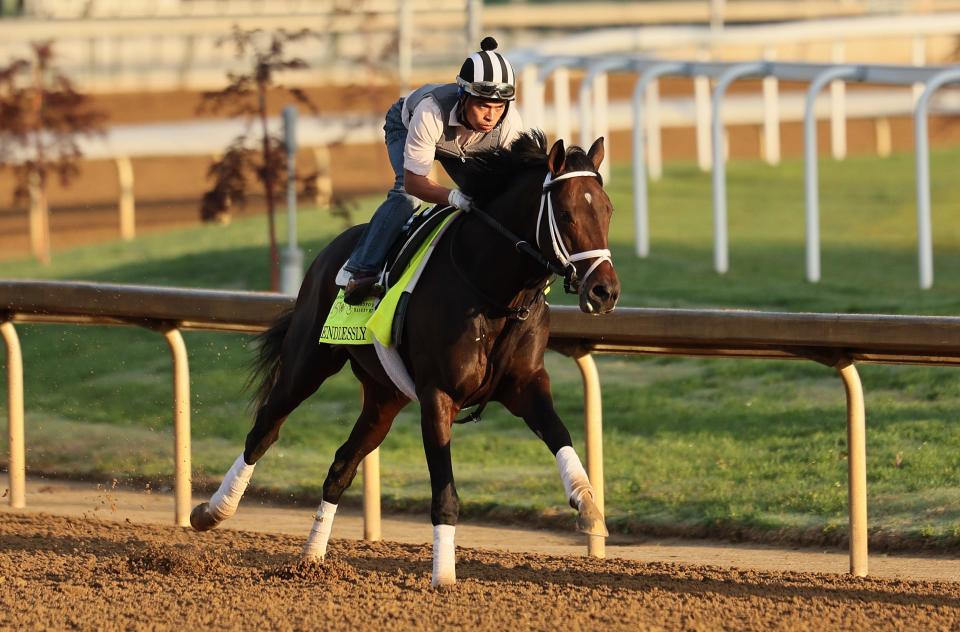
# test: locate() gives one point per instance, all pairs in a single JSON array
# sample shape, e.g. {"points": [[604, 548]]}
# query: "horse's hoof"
{"points": [[312, 559], [590, 520], [443, 582], [201, 519]]}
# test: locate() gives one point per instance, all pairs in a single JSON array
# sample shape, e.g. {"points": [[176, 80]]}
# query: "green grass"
{"points": [[733, 448]]}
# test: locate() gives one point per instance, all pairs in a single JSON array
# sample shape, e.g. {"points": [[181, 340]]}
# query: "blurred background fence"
{"points": [[147, 62]]}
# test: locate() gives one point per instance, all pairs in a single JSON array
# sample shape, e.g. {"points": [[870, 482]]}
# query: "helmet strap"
{"points": [[461, 109]]}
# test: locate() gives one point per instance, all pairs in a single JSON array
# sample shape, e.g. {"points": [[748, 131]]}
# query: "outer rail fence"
{"points": [[835, 340], [593, 114]]}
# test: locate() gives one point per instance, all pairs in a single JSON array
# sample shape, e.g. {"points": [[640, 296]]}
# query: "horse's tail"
{"points": [[266, 365]]}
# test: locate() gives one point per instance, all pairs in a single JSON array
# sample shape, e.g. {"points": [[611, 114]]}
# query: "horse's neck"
{"points": [[491, 260]]}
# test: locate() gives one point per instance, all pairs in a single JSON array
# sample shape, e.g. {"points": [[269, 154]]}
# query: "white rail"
{"points": [[593, 106]]}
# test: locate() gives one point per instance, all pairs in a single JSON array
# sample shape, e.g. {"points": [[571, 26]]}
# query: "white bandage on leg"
{"points": [[444, 556], [316, 547], [225, 500], [575, 481]]}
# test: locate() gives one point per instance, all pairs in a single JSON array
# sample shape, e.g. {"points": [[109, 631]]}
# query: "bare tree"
{"points": [[253, 152], [41, 117]]}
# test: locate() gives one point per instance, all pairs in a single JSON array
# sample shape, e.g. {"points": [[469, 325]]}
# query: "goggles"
{"points": [[488, 89]]}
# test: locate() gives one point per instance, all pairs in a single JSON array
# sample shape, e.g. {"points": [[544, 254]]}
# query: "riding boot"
{"points": [[360, 287]]}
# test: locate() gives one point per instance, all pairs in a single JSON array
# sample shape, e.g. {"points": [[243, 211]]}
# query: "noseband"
{"points": [[570, 281]]}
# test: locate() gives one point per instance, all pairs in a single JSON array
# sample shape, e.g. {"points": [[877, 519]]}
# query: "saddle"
{"points": [[414, 233], [417, 229]]}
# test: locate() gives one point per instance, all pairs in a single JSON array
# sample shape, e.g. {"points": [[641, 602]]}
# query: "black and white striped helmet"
{"points": [[488, 74]]}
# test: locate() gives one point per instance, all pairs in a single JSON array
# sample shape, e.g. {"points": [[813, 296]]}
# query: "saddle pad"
{"points": [[347, 324], [359, 324]]}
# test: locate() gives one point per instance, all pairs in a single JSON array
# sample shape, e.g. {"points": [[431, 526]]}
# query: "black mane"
{"points": [[489, 173]]}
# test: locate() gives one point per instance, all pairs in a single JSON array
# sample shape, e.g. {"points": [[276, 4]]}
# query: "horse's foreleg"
{"points": [[436, 420], [380, 407], [297, 380], [533, 402]]}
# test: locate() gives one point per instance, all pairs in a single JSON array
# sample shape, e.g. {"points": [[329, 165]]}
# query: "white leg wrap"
{"points": [[575, 481], [224, 501], [444, 556], [316, 547]]}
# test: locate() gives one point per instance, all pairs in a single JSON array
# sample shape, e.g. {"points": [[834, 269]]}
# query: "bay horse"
{"points": [[475, 331]]}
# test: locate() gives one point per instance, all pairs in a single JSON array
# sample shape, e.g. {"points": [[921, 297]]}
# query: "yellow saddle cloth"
{"points": [[360, 324]]}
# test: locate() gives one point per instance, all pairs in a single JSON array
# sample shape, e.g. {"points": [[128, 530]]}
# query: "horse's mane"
{"points": [[490, 172]]}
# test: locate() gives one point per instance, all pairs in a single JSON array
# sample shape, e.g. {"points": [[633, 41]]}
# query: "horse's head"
{"points": [[573, 223]]}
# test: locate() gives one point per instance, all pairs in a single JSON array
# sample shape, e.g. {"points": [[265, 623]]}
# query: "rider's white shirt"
{"points": [[425, 129]]}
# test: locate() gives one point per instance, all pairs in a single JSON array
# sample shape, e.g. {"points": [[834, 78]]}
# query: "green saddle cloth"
{"points": [[360, 324]]}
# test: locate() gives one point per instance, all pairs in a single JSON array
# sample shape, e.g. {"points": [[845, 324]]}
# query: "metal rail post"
{"points": [[181, 426], [17, 465], [838, 108], [922, 153], [721, 258], [528, 77], [593, 435], [599, 97], [857, 467], [371, 496], [405, 41], [641, 213], [128, 222], [771, 114], [811, 196], [701, 98], [556, 66], [561, 104]]}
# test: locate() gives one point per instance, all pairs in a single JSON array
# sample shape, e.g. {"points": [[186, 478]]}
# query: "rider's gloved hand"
{"points": [[459, 200]]}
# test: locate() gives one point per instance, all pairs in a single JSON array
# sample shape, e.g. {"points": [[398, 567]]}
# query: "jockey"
{"points": [[444, 122]]}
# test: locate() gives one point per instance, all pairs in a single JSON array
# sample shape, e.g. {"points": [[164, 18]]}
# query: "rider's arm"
{"points": [[423, 188]]}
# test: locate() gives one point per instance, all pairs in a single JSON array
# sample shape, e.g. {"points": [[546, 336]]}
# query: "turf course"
{"points": [[729, 448]]}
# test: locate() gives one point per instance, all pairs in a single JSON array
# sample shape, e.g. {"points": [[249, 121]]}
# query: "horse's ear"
{"points": [[596, 153], [556, 157]]}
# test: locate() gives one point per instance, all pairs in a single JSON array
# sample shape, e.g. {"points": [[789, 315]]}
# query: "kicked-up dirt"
{"points": [[62, 572]]}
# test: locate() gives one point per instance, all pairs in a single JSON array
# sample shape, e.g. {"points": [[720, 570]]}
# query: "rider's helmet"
{"points": [[486, 74]]}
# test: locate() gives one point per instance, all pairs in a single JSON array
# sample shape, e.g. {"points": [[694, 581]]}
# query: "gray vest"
{"points": [[449, 153]]}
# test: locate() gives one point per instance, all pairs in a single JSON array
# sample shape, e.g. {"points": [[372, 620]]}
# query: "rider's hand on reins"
{"points": [[460, 200]]}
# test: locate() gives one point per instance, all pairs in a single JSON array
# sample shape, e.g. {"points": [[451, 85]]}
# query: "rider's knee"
{"points": [[401, 197]]}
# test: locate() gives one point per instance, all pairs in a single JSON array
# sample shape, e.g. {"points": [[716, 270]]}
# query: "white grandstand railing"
{"points": [[170, 51], [664, 39], [594, 121]]}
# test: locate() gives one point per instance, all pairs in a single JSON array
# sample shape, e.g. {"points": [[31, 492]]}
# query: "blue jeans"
{"points": [[389, 218]]}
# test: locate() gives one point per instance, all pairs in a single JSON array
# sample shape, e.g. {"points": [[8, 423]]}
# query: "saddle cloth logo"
{"points": [[347, 324]]}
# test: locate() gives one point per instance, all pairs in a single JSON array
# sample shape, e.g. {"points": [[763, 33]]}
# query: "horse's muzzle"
{"points": [[600, 293]]}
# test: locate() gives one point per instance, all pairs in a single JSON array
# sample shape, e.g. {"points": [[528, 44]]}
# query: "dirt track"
{"points": [[59, 572]]}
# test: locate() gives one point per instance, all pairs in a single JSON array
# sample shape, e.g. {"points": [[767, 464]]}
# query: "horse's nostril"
{"points": [[600, 291]]}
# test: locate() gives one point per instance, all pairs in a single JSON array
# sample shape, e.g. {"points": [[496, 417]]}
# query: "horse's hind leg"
{"points": [[297, 379], [380, 406]]}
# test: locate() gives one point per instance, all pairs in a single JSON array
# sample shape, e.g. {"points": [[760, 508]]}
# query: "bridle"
{"points": [[571, 283], [563, 263]]}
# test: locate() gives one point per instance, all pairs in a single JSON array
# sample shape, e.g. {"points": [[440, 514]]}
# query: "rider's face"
{"points": [[482, 114]]}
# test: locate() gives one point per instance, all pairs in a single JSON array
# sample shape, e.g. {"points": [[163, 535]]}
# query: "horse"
{"points": [[475, 330]]}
